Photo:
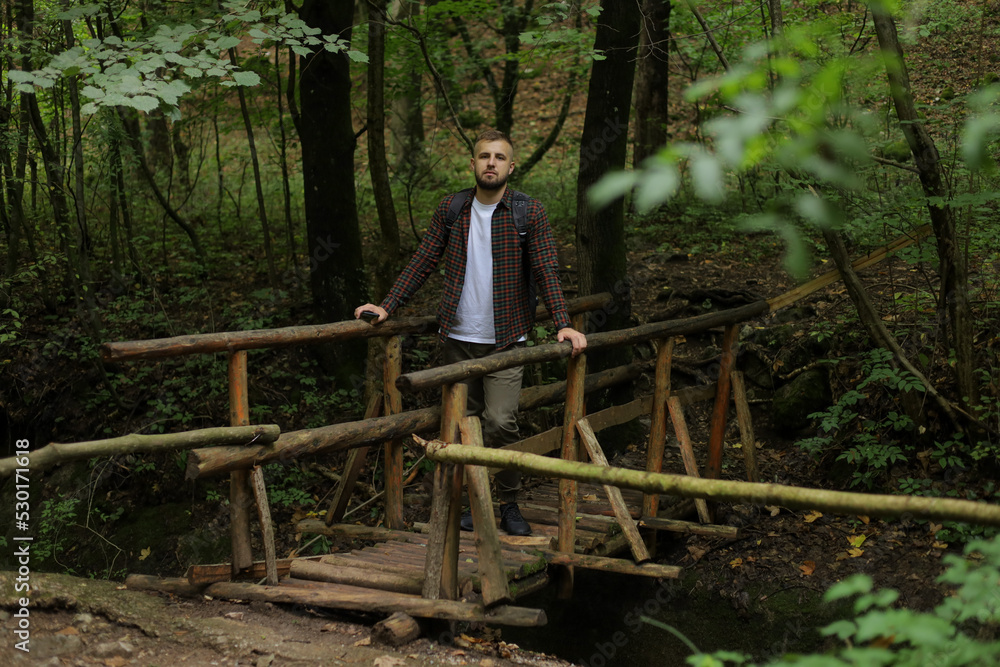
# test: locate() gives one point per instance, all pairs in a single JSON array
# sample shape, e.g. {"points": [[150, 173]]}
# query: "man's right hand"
{"points": [[372, 308]]}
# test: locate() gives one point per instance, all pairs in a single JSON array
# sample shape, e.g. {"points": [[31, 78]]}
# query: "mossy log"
{"points": [[56, 453], [794, 497]]}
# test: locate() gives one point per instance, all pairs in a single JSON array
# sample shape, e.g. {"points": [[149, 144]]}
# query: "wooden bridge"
{"points": [[440, 572]]}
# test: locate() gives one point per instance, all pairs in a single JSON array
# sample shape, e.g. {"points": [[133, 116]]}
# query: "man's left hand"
{"points": [[572, 335]]}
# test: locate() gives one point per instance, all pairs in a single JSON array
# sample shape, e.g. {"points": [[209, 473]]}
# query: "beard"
{"points": [[499, 181]]}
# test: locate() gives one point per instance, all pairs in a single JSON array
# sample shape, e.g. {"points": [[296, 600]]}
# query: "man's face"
{"points": [[492, 164]]}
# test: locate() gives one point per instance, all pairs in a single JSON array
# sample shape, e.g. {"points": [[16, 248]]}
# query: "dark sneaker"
{"points": [[466, 522], [512, 522]]}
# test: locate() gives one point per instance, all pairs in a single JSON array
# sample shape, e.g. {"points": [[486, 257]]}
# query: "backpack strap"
{"points": [[520, 211], [455, 208]]}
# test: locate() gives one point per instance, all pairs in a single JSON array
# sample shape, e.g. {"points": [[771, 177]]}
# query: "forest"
{"points": [[179, 168]]}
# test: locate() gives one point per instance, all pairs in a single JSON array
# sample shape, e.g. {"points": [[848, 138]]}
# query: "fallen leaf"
{"points": [[388, 661], [235, 615], [144, 554], [697, 553], [808, 567], [590, 497], [812, 516], [883, 642], [68, 630], [933, 528], [854, 553], [843, 555], [939, 545], [773, 509], [116, 661], [364, 642], [735, 563], [856, 540], [863, 519]]}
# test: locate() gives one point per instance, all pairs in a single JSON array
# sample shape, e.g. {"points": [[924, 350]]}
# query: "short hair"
{"points": [[493, 135]]}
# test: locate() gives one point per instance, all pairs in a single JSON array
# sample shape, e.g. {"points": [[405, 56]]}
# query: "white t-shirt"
{"points": [[474, 317]]}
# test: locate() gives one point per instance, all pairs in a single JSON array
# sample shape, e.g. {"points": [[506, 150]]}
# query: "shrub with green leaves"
{"points": [[961, 630]]}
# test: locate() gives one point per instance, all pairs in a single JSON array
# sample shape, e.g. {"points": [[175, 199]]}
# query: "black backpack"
{"points": [[520, 210]]}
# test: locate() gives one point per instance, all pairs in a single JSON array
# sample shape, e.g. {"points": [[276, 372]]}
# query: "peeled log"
{"points": [[339, 596], [55, 453], [218, 460], [442, 375], [307, 442], [794, 497]]}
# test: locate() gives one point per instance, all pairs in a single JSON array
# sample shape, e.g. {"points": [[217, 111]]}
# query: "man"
{"points": [[487, 304]]}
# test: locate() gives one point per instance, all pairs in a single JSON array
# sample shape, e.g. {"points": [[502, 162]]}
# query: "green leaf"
{"points": [[656, 185], [143, 103], [611, 186], [226, 43], [706, 174], [854, 585], [246, 78], [357, 56], [20, 76]]}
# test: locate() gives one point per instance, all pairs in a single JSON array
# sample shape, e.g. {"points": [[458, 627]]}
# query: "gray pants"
{"points": [[494, 399]]}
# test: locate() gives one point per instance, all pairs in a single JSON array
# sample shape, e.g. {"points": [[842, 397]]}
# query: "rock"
{"points": [[119, 649], [807, 393], [83, 619], [51, 646]]}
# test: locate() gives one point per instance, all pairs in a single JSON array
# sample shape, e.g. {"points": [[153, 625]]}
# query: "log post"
{"points": [[635, 542], [718, 433], [396, 630], [266, 529], [392, 368], [658, 423], [491, 571], [687, 452], [240, 499], [352, 469], [575, 377], [747, 437], [441, 581]]}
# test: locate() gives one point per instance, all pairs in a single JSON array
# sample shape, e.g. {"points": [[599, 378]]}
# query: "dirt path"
{"points": [[75, 621]]}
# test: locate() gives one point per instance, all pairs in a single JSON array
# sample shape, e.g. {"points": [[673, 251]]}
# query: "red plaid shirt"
{"points": [[513, 315]]}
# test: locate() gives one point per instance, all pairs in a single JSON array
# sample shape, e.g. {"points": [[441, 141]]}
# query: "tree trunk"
{"points": [[337, 277], [651, 93], [407, 123], [954, 297], [286, 190], [77, 271], [378, 166], [600, 234], [272, 273], [79, 199]]}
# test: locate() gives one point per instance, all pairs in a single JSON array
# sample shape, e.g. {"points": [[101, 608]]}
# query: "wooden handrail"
{"points": [[436, 377], [230, 341]]}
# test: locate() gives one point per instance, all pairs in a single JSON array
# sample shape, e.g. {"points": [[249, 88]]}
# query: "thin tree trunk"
{"points": [[871, 321], [79, 196], [651, 92], [377, 164], [954, 296], [272, 273], [286, 190], [136, 144], [408, 119], [777, 17]]}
